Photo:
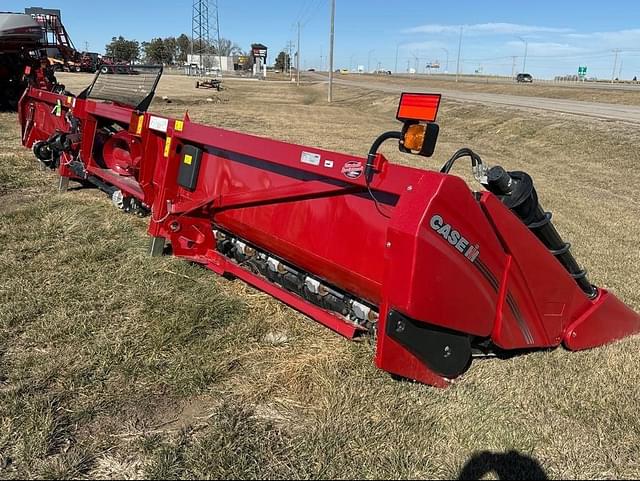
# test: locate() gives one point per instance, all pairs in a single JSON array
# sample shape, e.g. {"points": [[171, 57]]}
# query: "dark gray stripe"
{"points": [[487, 273], [528, 337], [511, 302]]}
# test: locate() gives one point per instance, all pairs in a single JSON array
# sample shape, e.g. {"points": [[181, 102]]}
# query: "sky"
{"points": [[558, 36]]}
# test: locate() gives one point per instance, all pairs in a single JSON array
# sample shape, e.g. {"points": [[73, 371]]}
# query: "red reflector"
{"points": [[421, 107], [27, 70]]}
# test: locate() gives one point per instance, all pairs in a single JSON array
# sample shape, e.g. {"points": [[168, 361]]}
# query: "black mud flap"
{"points": [[445, 352]]}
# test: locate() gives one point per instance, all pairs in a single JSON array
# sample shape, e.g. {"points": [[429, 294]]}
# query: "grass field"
{"points": [[569, 91], [117, 365]]}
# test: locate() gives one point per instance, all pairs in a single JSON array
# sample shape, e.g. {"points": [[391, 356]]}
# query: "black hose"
{"points": [[464, 152], [373, 151], [368, 171]]}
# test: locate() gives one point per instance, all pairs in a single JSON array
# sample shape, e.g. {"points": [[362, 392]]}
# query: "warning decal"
{"points": [[352, 169]]}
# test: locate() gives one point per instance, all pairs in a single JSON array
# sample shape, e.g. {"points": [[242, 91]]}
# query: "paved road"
{"points": [[626, 113], [479, 80]]}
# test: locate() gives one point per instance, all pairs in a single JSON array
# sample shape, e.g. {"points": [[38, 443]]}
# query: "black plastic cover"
{"points": [[189, 167]]}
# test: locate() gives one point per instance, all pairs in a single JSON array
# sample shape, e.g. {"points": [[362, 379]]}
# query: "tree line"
{"points": [[166, 51]]}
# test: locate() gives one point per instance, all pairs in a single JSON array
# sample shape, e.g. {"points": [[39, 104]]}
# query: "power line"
{"points": [[308, 13], [304, 6]]}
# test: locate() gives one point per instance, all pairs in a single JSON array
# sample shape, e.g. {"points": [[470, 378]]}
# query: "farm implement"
{"points": [[438, 273], [209, 84]]}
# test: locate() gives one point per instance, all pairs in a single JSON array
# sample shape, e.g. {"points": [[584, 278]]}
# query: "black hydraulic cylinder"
{"points": [[517, 192]]}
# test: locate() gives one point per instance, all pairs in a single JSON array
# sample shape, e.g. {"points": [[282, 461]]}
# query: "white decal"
{"points": [[309, 158], [159, 124]]}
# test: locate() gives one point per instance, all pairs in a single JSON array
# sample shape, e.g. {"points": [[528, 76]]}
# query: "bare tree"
{"points": [[227, 48]]}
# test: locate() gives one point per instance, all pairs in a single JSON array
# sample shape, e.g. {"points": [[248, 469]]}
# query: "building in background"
{"points": [[210, 64]]}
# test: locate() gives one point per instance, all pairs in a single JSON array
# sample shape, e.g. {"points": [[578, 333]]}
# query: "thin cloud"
{"points": [[548, 48], [435, 45], [621, 38], [488, 29]]}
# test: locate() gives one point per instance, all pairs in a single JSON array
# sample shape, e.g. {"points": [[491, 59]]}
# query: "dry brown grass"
{"points": [[115, 365]]}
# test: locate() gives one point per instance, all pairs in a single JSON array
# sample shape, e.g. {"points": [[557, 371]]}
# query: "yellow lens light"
{"points": [[414, 137]]}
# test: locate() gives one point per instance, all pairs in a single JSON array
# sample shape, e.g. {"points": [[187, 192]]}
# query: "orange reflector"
{"points": [[414, 137], [136, 123], [420, 107]]}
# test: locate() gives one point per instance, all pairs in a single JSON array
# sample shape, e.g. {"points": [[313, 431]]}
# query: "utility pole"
{"points": [[331, 38], [290, 45], [298, 58], [615, 64], [513, 67], [86, 46], [459, 51], [526, 47], [447, 67], [396, 69], [620, 70], [369, 60]]}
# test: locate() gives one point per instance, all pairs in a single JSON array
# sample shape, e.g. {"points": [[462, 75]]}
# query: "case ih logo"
{"points": [[454, 238], [352, 169]]}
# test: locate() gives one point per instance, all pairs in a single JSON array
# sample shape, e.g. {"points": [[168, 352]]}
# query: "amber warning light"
{"points": [[419, 107]]}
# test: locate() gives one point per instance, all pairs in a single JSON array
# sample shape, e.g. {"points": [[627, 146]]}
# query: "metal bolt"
{"points": [[574, 335], [400, 326], [410, 188], [174, 226], [388, 244], [447, 352]]}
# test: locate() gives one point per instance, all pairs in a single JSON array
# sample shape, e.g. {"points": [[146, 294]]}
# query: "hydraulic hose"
{"points": [[374, 150]]}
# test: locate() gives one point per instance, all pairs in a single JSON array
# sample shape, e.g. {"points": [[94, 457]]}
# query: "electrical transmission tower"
{"points": [[205, 33], [200, 32]]}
